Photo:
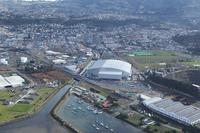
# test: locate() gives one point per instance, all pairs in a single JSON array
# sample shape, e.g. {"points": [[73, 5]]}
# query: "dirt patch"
{"points": [[51, 76]]}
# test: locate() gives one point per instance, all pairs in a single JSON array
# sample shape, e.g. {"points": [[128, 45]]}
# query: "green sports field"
{"points": [[155, 58]]}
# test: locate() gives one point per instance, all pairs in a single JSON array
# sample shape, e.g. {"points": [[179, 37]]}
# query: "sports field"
{"points": [[155, 58]]}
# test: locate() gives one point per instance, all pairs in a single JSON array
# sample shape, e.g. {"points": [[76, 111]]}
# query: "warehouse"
{"points": [[15, 80], [59, 61], [188, 115], [11, 81], [3, 83], [109, 69]]}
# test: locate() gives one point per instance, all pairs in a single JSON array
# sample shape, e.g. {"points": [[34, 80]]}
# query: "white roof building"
{"points": [[73, 68], [3, 83], [24, 59], [11, 81], [59, 61], [186, 114], [109, 69], [49, 52], [15, 80], [4, 61]]}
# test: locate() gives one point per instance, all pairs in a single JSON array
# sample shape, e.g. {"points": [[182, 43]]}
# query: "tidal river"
{"points": [[88, 119], [85, 121], [41, 122]]}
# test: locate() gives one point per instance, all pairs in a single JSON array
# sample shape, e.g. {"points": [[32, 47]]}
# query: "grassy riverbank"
{"points": [[12, 112]]}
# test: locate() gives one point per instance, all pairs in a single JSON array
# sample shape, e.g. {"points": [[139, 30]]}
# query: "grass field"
{"points": [[152, 53], [20, 108], [156, 59], [136, 120], [11, 112], [5, 94], [141, 53], [160, 129], [192, 63]]}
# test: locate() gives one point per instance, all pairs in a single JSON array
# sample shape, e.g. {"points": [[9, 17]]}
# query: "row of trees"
{"points": [[177, 85], [37, 69]]}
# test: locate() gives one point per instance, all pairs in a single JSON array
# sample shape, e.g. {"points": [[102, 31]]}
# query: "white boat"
{"points": [[106, 127], [95, 111], [92, 109], [97, 128], [93, 125], [89, 108], [79, 102], [74, 112], [100, 112], [112, 130], [101, 124]]}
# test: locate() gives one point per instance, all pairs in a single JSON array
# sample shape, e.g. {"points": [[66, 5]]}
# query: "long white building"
{"points": [[11, 81], [109, 69], [188, 115]]}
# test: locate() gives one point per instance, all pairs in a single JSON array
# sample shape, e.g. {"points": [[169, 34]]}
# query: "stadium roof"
{"points": [[113, 64]]}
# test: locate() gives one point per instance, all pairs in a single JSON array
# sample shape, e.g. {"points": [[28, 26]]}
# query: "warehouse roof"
{"points": [[3, 82], [112, 64], [113, 73], [187, 114], [15, 80]]}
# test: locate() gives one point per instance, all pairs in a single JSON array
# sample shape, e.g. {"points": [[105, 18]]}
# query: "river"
{"points": [[41, 122], [86, 121]]}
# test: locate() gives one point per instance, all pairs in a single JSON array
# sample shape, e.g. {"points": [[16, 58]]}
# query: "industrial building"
{"points": [[24, 59], [59, 61], [11, 81], [4, 61], [185, 114], [109, 69], [3, 83]]}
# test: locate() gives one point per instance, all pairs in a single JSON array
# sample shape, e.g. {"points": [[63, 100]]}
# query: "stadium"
{"points": [[109, 69]]}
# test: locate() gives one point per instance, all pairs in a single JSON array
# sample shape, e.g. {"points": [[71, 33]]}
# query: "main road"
{"points": [[41, 122]]}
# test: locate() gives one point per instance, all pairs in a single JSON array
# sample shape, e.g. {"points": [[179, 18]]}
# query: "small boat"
{"points": [[95, 111], [106, 127], [101, 124], [80, 102], [112, 130], [89, 108], [69, 105], [97, 128], [74, 112], [100, 112], [93, 125]]}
